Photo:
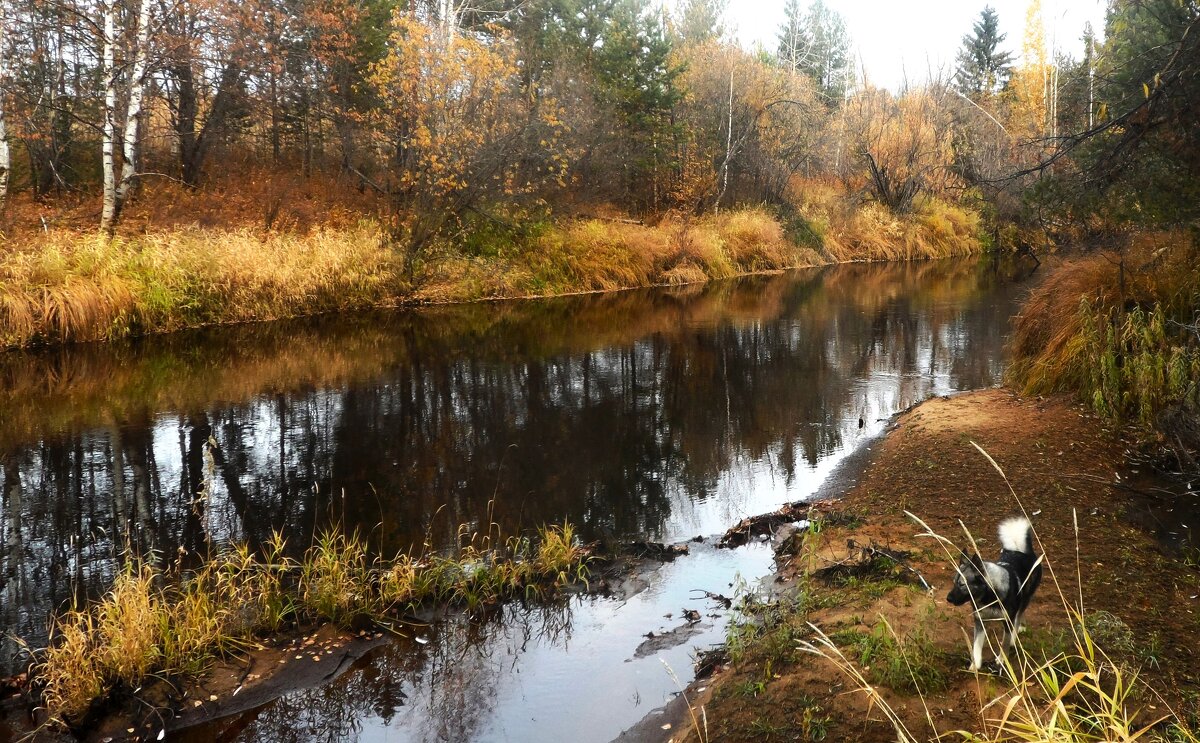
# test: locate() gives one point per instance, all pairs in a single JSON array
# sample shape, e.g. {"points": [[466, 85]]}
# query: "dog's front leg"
{"points": [[977, 645]]}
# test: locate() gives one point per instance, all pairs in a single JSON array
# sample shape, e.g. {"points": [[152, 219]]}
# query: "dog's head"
{"points": [[968, 579]]}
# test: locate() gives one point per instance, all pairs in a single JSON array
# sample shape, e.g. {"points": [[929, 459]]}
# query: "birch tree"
{"points": [[5, 157], [116, 188], [755, 122]]}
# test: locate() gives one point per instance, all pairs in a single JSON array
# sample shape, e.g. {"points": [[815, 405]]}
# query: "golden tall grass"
{"points": [[68, 285], [850, 231], [1112, 328], [72, 287], [154, 621]]}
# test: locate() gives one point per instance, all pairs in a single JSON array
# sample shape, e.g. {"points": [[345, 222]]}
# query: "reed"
{"points": [[168, 622]]}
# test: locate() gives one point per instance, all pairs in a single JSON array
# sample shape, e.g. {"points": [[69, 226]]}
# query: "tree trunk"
{"points": [[133, 115], [117, 190], [194, 142], [185, 122], [5, 156], [108, 215]]}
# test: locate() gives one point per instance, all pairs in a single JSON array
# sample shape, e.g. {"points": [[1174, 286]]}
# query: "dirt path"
{"points": [[1140, 597]]}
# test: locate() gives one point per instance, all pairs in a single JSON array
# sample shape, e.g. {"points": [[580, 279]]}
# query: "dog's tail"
{"points": [[1016, 534]]}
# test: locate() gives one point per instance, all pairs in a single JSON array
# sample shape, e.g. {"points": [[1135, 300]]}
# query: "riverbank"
{"points": [[859, 579], [158, 636], [63, 283], [798, 358]]}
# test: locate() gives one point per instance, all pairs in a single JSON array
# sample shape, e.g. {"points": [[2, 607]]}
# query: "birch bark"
{"points": [[5, 156], [108, 215], [116, 190], [133, 115]]}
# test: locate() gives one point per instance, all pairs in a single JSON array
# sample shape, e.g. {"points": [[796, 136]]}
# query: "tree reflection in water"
{"points": [[451, 681], [657, 414]]}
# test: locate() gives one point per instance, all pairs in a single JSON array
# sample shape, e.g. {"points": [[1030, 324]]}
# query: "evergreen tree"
{"points": [[795, 43], [828, 62], [700, 20], [638, 78], [984, 69]]}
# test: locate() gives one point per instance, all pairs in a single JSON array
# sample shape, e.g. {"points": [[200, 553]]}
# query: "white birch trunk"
{"points": [[108, 216], [133, 115], [5, 156], [728, 149]]}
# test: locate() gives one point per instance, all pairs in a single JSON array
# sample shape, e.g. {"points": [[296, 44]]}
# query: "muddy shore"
{"points": [[1062, 464], [1065, 468]]}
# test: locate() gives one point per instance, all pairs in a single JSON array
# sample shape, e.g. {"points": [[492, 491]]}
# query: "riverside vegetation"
{"points": [[1122, 331], [856, 646], [369, 154], [68, 286], [175, 623]]}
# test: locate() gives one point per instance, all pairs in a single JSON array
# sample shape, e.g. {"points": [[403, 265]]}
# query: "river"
{"points": [[658, 414]]}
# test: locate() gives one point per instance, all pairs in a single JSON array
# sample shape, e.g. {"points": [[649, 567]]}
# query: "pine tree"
{"points": [[795, 42], [700, 20], [828, 62], [984, 69]]}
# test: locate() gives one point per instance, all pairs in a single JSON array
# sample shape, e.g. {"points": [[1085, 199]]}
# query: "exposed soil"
{"points": [[1064, 466]]}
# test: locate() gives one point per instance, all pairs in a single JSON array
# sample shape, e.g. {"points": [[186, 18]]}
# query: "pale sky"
{"points": [[897, 36]]}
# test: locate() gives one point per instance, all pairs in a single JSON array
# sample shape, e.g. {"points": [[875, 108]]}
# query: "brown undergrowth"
{"points": [[278, 246], [856, 648]]}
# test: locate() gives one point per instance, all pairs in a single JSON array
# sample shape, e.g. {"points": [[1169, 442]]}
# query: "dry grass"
{"points": [[270, 246], [608, 254], [1117, 329], [869, 232], [80, 287], [157, 622], [74, 287]]}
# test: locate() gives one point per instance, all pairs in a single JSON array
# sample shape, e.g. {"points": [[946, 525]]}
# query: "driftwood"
{"points": [[656, 550], [724, 601], [872, 560], [765, 524]]}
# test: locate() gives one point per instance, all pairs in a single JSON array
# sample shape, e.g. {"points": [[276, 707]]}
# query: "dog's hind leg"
{"points": [[1010, 641], [977, 645]]}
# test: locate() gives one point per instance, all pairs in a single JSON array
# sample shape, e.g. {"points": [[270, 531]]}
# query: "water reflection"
{"points": [[658, 413], [527, 673]]}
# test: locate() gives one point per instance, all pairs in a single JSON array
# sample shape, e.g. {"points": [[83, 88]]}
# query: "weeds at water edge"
{"points": [[156, 622]]}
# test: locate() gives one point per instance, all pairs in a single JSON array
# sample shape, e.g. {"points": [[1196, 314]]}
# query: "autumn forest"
{"points": [[174, 164], [177, 494]]}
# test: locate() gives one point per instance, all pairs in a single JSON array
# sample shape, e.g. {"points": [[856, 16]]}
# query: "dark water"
{"points": [[657, 414]]}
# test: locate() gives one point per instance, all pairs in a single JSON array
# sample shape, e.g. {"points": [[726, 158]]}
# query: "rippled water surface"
{"points": [[655, 414]]}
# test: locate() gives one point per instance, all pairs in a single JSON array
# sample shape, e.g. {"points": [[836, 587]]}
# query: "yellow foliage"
{"points": [[1028, 115], [448, 123]]}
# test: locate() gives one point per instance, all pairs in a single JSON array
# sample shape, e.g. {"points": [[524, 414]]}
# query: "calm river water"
{"points": [[654, 414]]}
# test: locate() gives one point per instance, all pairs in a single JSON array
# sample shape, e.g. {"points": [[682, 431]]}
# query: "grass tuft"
{"points": [[158, 622]]}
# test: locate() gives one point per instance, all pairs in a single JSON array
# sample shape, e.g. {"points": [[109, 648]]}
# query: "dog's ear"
{"points": [[976, 561], [965, 566]]}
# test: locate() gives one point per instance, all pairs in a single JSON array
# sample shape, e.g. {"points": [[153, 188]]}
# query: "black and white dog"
{"points": [[1000, 590]]}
